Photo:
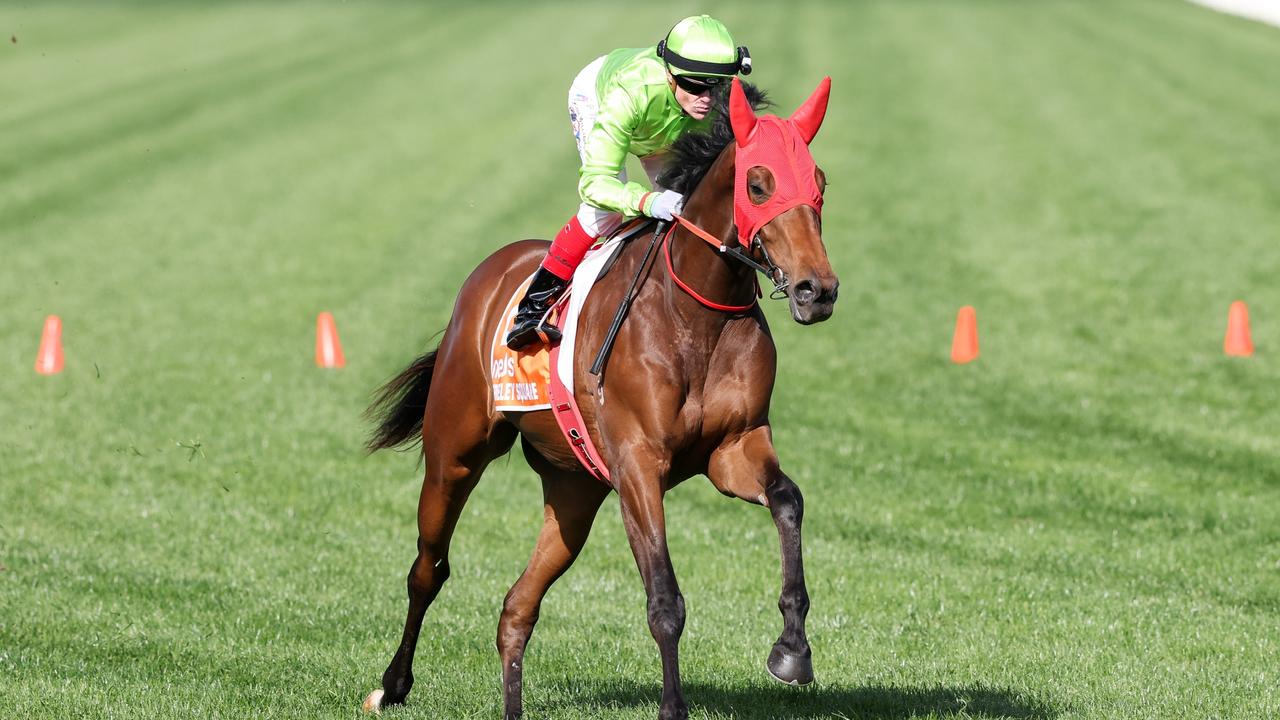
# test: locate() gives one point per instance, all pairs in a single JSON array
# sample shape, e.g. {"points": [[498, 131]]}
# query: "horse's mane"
{"points": [[693, 154]]}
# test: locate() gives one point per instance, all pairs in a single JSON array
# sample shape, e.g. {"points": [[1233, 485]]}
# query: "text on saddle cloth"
{"points": [[519, 379]]}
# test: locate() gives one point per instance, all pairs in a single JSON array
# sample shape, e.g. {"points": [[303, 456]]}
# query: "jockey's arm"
{"points": [[605, 154]]}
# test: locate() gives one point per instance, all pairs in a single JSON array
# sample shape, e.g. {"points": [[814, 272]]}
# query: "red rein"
{"points": [[703, 234]]}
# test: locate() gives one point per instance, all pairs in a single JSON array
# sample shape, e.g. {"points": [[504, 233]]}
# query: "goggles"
{"points": [[699, 85]]}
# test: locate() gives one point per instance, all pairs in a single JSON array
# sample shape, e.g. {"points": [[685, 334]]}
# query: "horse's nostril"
{"points": [[805, 292]]}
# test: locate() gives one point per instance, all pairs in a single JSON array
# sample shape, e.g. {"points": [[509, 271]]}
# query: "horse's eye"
{"points": [[757, 189]]}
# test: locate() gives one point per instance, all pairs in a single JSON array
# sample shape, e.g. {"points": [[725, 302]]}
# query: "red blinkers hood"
{"points": [[782, 147]]}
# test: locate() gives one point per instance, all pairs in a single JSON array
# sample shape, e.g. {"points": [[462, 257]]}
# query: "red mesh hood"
{"points": [[782, 147]]}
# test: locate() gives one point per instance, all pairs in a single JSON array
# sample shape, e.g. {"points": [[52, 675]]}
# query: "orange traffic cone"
{"points": [[1238, 342], [49, 359], [964, 344], [328, 349]]}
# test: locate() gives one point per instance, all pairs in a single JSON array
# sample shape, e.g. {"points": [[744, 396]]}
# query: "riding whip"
{"points": [[625, 306]]}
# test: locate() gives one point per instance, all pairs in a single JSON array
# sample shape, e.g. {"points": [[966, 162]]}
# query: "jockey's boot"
{"points": [[566, 251], [529, 328]]}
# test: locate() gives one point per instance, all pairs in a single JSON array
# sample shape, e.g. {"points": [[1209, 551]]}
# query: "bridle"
{"points": [[770, 269], [778, 276]]}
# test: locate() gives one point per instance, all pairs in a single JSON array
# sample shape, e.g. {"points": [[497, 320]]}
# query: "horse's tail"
{"points": [[399, 405]]}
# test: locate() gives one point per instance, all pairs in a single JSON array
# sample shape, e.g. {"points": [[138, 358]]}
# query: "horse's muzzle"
{"points": [[813, 300]]}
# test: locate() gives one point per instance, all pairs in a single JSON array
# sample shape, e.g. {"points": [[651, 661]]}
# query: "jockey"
{"points": [[637, 101]]}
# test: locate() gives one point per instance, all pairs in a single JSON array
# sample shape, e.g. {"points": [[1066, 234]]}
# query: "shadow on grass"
{"points": [[875, 701]]}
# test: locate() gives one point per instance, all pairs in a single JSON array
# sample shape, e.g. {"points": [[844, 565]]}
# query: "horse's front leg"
{"points": [[747, 467], [640, 480]]}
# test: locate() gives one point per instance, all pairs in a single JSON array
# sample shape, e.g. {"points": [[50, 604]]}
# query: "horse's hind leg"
{"points": [[454, 462], [748, 468], [571, 501]]}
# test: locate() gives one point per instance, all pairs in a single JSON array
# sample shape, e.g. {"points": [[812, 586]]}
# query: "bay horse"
{"points": [[688, 393]]}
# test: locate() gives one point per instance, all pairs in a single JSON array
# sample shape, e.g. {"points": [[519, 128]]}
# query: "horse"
{"points": [[693, 369]]}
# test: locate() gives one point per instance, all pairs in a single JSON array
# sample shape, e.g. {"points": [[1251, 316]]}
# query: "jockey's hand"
{"points": [[666, 205]]}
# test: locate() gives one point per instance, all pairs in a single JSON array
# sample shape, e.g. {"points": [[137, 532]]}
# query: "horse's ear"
{"points": [[741, 116], [808, 118]]}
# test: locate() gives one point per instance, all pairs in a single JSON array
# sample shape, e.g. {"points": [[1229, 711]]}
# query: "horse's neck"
{"points": [[712, 274]]}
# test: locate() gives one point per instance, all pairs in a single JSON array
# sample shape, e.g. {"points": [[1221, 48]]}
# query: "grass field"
{"points": [[1085, 523]]}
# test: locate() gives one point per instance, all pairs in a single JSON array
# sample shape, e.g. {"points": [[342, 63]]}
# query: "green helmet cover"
{"points": [[701, 45]]}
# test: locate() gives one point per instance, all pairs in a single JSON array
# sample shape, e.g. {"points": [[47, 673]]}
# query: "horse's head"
{"points": [[777, 198]]}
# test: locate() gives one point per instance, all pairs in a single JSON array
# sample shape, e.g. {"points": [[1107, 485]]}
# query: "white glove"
{"points": [[666, 205]]}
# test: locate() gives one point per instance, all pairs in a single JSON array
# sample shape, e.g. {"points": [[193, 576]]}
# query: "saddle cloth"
{"points": [[519, 379]]}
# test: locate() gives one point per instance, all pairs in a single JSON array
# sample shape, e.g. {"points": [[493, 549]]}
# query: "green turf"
{"points": [[1085, 523]]}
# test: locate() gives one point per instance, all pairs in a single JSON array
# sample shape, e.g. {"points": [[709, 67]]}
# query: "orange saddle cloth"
{"points": [[519, 378]]}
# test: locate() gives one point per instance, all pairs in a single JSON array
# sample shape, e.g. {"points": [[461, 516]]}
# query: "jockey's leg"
{"points": [[577, 235], [564, 256]]}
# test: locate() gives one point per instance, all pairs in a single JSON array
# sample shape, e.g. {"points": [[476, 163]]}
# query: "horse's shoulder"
{"points": [[748, 331], [745, 347]]}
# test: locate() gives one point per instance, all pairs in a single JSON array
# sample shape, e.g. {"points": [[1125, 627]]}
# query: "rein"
{"points": [[775, 274]]}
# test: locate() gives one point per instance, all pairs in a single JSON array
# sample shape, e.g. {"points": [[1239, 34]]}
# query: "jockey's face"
{"points": [[695, 100]]}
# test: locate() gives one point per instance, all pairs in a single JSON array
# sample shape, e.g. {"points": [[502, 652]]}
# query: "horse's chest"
{"points": [[690, 418]]}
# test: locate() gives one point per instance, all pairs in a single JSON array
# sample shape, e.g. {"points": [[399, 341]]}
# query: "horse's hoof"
{"points": [[790, 669], [373, 702], [677, 712]]}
